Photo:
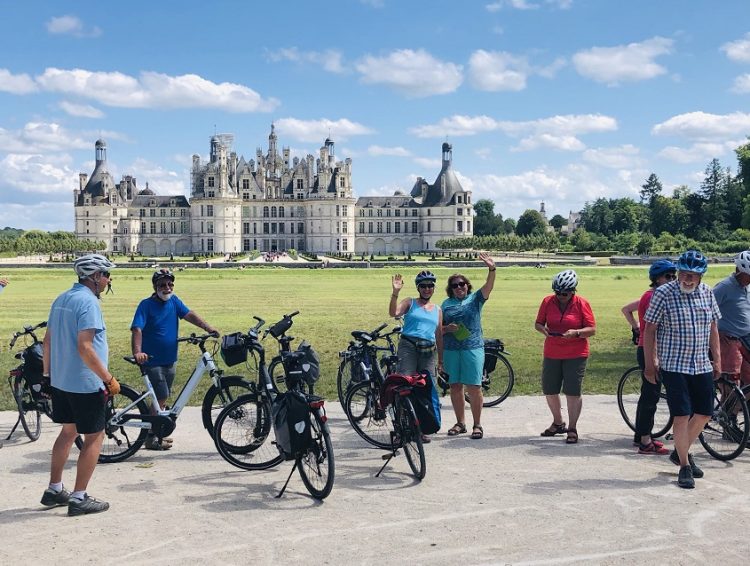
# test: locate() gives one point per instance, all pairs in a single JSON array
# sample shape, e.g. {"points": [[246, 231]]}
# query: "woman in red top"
{"points": [[566, 320]]}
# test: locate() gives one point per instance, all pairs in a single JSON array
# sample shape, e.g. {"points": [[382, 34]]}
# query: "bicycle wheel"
{"points": [[725, 435], [232, 386], [411, 438], [278, 376], [316, 467], [628, 393], [243, 434], [370, 422], [350, 372], [123, 440], [497, 379], [28, 410]]}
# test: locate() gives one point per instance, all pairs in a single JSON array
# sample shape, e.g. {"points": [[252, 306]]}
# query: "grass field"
{"points": [[332, 303]]}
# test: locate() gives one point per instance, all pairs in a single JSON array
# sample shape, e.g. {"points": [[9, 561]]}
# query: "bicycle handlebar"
{"points": [[195, 339], [27, 331]]}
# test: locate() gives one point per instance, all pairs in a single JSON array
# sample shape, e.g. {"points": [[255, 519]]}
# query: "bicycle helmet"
{"points": [[425, 277], [660, 267], [161, 274], [693, 260], [87, 265], [565, 281], [742, 262]]}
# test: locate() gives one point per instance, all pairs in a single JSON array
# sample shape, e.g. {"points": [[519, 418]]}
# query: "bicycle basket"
{"points": [[233, 349], [494, 344], [280, 327]]}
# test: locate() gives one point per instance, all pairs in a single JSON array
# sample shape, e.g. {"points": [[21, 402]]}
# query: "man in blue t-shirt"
{"points": [[154, 339]]}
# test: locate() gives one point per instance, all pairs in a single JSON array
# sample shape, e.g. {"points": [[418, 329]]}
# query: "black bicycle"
{"points": [[628, 393], [725, 436], [29, 387], [244, 433]]}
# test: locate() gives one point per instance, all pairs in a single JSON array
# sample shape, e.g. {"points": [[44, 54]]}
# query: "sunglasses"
{"points": [[459, 284], [563, 293], [670, 276], [426, 286], [164, 284], [105, 274]]}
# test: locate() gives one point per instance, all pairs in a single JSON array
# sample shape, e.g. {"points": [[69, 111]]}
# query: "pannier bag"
{"points": [[280, 327], [423, 397], [33, 369], [310, 363], [290, 413], [233, 349]]}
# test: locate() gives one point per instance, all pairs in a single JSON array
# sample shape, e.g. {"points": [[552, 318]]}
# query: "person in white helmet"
{"points": [[734, 303], [76, 355]]}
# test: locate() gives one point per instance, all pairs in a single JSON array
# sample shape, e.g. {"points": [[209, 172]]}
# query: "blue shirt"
{"points": [[72, 312], [419, 322], [734, 304], [467, 314], [684, 327], [159, 322]]}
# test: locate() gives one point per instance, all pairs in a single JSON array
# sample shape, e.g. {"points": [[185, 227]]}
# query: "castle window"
{"points": [[414, 212], [361, 227], [210, 244], [458, 199], [344, 210], [281, 212], [459, 211], [209, 210], [300, 184], [380, 227], [246, 196], [380, 212], [172, 212], [281, 227], [266, 229], [245, 184], [245, 227], [344, 245], [415, 227], [152, 228], [460, 226], [342, 182], [429, 226], [468, 226], [163, 212], [338, 210], [369, 227], [183, 212], [398, 212], [345, 227], [142, 212], [265, 212], [300, 228], [429, 212], [397, 227], [387, 227], [211, 182], [87, 214], [211, 194], [152, 212], [273, 212], [143, 227], [152, 202]]}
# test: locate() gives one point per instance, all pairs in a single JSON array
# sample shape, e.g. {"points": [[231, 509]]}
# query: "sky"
{"points": [[560, 101]]}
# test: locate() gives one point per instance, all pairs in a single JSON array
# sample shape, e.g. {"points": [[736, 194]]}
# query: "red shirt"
{"points": [[575, 315], [642, 308]]}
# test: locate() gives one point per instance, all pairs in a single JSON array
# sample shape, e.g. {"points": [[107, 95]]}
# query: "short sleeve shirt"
{"points": [[683, 327], [734, 304], [467, 314], [575, 315], [74, 311], [159, 323], [642, 308]]}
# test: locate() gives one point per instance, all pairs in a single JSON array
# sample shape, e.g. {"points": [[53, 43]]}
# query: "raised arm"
{"points": [[394, 307], [490, 283]]}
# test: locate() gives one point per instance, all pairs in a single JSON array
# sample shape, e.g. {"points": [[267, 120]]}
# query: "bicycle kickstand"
{"points": [[283, 489], [15, 426], [387, 458]]}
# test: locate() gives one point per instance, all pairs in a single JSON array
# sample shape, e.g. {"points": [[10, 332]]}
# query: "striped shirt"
{"points": [[683, 327]]}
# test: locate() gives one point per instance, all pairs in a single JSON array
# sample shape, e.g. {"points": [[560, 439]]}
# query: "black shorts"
{"points": [[86, 410], [688, 394]]}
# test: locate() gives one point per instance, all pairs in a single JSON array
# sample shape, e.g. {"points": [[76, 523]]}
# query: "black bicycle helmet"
{"points": [[163, 273], [425, 277], [660, 267]]}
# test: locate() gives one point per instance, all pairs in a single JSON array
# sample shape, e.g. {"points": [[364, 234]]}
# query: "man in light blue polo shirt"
{"points": [[734, 303], [76, 355]]}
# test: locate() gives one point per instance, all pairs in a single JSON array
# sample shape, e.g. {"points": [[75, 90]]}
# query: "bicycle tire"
{"points": [[725, 436], [496, 384], [118, 444], [244, 436], [372, 424], [628, 393], [317, 466], [411, 438], [215, 399], [277, 375], [28, 410], [349, 373]]}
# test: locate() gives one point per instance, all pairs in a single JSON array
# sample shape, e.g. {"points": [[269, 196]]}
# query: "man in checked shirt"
{"points": [[680, 330]]}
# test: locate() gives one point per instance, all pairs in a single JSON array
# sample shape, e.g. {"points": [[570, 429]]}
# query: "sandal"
{"points": [[477, 432], [555, 429], [458, 428], [572, 436]]}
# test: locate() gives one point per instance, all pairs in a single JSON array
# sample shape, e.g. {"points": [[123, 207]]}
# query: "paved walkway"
{"points": [[512, 498]]}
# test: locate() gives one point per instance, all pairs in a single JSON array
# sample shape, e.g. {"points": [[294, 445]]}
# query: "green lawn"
{"points": [[332, 303]]}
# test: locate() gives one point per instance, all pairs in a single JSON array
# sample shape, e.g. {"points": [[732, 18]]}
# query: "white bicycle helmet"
{"points": [[565, 281], [87, 265], [742, 262]]}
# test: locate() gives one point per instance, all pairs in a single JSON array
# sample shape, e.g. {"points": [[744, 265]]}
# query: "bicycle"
{"points": [[628, 393], [725, 436], [29, 387], [139, 412], [498, 377], [244, 434]]}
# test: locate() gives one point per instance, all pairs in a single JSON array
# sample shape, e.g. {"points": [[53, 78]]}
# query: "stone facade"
{"points": [[270, 203]]}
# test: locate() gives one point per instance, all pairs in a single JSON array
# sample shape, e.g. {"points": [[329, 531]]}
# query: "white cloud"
{"points": [[330, 60], [699, 152], [741, 84], [483, 153], [399, 151], [160, 180], [564, 143], [38, 137], [738, 50], [316, 131], [373, 3], [702, 126], [38, 173], [154, 90], [35, 215], [564, 125], [428, 162], [513, 4], [623, 63], [16, 84], [71, 25], [415, 74], [614, 157], [81, 110], [496, 71]]}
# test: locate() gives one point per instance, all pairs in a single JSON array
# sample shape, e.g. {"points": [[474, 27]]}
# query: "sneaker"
{"points": [[153, 443], [685, 479], [696, 472], [52, 498], [426, 439], [657, 443], [652, 448], [86, 506]]}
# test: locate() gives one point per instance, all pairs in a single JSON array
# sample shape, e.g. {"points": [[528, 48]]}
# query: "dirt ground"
{"points": [[511, 498]]}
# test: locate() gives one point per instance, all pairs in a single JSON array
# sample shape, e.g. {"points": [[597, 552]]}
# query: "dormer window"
{"points": [[152, 202]]}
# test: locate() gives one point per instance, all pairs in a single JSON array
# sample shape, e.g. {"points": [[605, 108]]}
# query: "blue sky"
{"points": [[561, 101]]}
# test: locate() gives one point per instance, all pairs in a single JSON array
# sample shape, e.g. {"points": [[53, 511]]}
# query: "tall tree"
{"points": [[486, 222], [531, 222], [714, 191], [651, 189], [558, 221]]}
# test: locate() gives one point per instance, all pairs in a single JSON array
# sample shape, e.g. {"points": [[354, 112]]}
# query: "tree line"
{"points": [[714, 218], [23, 242]]}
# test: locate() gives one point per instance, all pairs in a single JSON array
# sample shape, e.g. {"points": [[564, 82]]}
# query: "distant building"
{"points": [[270, 203], [574, 223]]}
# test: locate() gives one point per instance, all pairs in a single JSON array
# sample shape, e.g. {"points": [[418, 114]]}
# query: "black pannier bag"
{"points": [[290, 414], [427, 406], [233, 349], [310, 363], [33, 368]]}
